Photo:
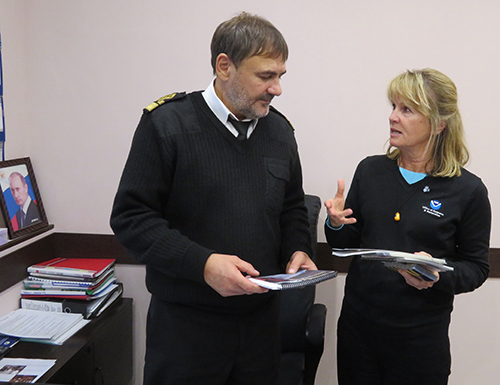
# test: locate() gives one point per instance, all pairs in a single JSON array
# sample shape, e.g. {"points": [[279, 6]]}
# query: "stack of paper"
{"points": [[76, 278], [39, 326], [421, 266], [76, 285]]}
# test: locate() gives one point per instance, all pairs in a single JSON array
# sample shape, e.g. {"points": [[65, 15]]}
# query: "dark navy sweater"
{"points": [[448, 218], [190, 189]]}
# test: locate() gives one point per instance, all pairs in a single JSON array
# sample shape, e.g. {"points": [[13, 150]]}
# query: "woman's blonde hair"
{"points": [[434, 95]]}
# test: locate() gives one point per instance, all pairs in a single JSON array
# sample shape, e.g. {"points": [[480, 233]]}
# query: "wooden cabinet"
{"points": [[99, 354]]}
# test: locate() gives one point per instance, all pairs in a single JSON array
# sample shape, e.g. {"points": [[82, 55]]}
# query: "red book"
{"points": [[73, 267]]}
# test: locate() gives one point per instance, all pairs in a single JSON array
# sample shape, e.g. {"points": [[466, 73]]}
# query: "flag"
{"points": [[2, 118]]}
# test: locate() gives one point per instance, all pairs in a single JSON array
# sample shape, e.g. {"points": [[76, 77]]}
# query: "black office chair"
{"points": [[302, 322]]}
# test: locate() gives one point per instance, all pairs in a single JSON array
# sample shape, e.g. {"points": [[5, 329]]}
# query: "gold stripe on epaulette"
{"points": [[159, 102]]}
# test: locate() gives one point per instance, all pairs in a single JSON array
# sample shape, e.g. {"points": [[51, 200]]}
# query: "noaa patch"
{"points": [[434, 209]]}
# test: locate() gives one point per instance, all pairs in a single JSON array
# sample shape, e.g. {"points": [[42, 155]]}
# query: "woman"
{"points": [[393, 328]]}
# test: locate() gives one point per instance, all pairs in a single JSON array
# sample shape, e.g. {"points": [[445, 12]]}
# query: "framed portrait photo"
{"points": [[20, 200]]}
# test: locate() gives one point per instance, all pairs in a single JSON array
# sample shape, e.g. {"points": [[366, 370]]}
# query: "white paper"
{"points": [[26, 323], [23, 369], [59, 339], [395, 256]]}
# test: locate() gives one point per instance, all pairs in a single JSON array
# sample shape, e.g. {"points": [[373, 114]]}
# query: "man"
{"points": [[203, 206], [28, 210]]}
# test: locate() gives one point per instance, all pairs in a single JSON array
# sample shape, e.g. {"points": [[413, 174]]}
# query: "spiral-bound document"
{"points": [[422, 266], [291, 281]]}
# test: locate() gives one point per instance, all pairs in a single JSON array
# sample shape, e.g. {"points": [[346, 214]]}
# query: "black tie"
{"points": [[241, 127]]}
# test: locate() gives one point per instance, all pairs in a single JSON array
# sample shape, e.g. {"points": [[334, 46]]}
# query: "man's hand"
{"points": [[300, 261], [224, 274], [416, 282]]}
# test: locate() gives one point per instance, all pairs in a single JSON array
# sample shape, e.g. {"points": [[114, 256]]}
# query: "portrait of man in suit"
{"points": [[28, 213]]}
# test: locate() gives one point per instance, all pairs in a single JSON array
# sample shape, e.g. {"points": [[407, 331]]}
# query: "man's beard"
{"points": [[243, 104]]}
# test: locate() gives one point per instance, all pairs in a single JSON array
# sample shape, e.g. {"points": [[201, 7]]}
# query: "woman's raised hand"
{"points": [[335, 208]]}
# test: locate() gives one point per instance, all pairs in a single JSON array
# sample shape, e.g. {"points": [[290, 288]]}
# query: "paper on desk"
{"points": [[59, 339], [36, 324], [23, 369]]}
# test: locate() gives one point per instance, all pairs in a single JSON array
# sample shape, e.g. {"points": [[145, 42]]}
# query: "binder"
{"points": [[73, 267], [6, 343], [69, 293], [33, 282], [89, 309]]}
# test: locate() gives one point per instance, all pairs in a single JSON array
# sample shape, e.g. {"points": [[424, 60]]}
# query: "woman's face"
{"points": [[410, 130]]}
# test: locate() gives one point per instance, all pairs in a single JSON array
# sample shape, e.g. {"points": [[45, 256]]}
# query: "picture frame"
{"points": [[18, 187]]}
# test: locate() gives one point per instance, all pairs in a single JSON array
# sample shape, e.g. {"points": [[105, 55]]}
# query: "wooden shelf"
{"points": [[24, 238]]}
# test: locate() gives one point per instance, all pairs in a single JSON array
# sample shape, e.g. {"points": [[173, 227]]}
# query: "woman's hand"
{"points": [[335, 208], [416, 282]]}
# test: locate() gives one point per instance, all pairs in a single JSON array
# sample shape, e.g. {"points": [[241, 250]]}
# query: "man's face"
{"points": [[252, 86], [19, 190]]}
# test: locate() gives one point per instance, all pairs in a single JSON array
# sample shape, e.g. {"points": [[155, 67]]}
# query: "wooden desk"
{"points": [[98, 354]]}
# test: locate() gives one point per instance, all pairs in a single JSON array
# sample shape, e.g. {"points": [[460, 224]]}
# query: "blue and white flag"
{"points": [[2, 119]]}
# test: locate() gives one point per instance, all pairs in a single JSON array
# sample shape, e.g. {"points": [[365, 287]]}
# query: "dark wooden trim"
{"points": [[13, 266], [24, 238], [494, 263], [64, 245], [326, 261], [74, 245]]}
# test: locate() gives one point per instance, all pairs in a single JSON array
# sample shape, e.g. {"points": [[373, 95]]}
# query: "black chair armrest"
{"points": [[315, 341]]}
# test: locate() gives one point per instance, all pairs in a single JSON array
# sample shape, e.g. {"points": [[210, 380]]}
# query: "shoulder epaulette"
{"points": [[283, 116], [163, 100]]}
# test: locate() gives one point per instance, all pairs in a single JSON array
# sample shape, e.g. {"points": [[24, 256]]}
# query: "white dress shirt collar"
{"points": [[222, 112], [26, 204]]}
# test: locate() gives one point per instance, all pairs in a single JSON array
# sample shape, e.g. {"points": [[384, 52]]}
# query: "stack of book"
{"points": [[71, 285], [421, 266]]}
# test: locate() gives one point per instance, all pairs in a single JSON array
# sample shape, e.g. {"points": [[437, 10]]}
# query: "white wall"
{"points": [[77, 74]]}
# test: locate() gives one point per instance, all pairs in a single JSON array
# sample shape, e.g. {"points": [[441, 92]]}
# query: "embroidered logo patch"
{"points": [[434, 209]]}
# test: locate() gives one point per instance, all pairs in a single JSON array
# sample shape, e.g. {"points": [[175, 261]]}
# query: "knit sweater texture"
{"points": [[190, 188], [448, 218]]}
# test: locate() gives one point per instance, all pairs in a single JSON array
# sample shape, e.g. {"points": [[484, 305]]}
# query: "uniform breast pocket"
{"points": [[277, 176]]}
